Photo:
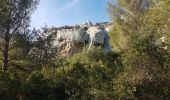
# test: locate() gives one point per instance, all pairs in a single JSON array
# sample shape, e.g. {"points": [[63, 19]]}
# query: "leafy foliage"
{"points": [[88, 75], [146, 59]]}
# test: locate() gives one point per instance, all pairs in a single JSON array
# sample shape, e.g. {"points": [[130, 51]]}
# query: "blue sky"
{"points": [[69, 12]]}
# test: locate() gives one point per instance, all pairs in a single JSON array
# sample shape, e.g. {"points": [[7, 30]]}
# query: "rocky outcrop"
{"points": [[98, 37], [72, 39]]}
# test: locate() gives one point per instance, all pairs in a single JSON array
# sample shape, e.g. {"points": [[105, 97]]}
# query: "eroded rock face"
{"points": [[96, 36], [72, 39]]}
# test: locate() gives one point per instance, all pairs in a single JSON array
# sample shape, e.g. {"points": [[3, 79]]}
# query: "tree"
{"points": [[146, 60], [43, 50], [126, 18], [15, 18]]}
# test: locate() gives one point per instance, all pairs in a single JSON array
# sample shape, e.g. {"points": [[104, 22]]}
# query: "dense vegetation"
{"points": [[138, 68]]}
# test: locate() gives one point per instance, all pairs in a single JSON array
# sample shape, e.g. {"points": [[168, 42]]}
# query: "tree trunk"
{"points": [[5, 52]]}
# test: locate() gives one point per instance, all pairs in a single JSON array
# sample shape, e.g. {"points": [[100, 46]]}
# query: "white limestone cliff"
{"points": [[72, 39]]}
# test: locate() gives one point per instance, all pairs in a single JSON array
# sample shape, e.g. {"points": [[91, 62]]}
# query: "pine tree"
{"points": [[14, 19]]}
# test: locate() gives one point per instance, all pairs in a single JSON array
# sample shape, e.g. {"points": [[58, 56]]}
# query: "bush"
{"points": [[89, 75], [11, 87], [39, 88]]}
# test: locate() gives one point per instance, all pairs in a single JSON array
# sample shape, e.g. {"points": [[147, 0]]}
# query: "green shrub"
{"points": [[88, 75], [39, 88], [11, 87]]}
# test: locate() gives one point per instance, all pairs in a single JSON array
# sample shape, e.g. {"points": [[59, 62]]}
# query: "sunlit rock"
{"points": [[72, 39]]}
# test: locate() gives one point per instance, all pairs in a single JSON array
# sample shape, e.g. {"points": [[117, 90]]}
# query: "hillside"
{"points": [[125, 58]]}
